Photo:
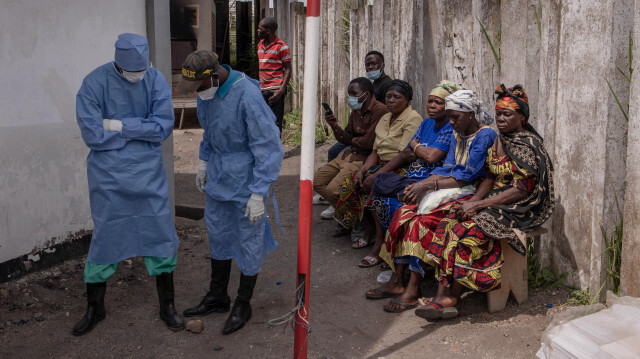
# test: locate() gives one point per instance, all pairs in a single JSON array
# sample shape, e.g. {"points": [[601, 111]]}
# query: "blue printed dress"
{"points": [[429, 136]]}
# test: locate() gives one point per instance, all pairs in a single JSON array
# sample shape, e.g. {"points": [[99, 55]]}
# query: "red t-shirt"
{"points": [[271, 60]]}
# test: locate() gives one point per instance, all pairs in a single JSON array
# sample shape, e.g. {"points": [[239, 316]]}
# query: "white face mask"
{"points": [[210, 92], [133, 77]]}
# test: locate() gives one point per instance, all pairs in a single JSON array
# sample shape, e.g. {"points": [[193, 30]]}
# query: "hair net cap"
{"points": [[132, 52]]}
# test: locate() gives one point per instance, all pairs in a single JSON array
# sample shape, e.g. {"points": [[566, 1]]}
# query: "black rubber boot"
{"points": [[164, 284], [241, 311], [95, 309], [217, 300]]}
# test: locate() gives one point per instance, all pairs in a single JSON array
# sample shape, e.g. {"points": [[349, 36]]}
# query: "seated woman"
{"points": [[393, 133], [410, 233], [426, 151], [516, 195]]}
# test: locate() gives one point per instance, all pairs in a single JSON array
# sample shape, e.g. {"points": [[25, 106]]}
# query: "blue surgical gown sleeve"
{"points": [[89, 114], [205, 145], [264, 143], [159, 124]]}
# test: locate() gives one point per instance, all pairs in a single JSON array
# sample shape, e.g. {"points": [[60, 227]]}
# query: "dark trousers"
{"points": [[337, 149], [277, 108]]}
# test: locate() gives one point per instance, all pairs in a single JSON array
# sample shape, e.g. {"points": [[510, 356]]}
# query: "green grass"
{"points": [[581, 297], [541, 278], [496, 53], [538, 11], [623, 110], [613, 250], [292, 130]]}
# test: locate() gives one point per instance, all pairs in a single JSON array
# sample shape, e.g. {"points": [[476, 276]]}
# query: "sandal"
{"points": [[361, 243], [405, 306], [434, 310], [369, 261], [381, 294], [424, 300]]}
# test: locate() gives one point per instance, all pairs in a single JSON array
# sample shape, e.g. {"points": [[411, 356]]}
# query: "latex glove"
{"points": [[112, 125], [255, 208], [201, 177]]}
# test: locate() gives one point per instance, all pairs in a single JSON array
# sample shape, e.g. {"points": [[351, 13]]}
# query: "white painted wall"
{"points": [[46, 49]]}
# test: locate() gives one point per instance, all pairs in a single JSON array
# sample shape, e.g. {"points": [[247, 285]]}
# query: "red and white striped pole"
{"points": [[309, 114]]}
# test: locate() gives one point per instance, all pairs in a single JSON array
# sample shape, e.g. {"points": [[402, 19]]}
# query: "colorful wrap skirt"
{"points": [[410, 234], [352, 202], [461, 252]]}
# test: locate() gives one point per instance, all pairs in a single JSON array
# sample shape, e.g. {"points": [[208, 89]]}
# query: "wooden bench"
{"points": [[182, 104], [514, 276]]}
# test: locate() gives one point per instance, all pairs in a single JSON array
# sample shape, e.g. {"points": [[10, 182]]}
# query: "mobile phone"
{"points": [[327, 108], [400, 196]]}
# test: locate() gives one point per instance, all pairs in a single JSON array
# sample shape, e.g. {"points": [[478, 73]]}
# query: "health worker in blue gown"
{"points": [[240, 158], [124, 111]]}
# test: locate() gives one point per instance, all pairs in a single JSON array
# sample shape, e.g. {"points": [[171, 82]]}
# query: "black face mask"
{"points": [[263, 35]]}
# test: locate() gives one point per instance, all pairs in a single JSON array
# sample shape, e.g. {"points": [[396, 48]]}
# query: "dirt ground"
{"points": [[38, 311]]}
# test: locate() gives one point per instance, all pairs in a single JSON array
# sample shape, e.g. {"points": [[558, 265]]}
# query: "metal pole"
{"points": [[309, 113]]}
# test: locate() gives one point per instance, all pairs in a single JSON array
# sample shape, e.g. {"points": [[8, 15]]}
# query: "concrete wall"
{"points": [[630, 281], [563, 52], [47, 49]]}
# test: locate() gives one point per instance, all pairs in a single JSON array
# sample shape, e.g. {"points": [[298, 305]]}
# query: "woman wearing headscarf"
{"points": [[425, 152], [413, 226], [515, 196], [393, 133]]}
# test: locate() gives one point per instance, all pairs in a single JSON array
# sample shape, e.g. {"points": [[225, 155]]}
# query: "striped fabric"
{"points": [[271, 59]]}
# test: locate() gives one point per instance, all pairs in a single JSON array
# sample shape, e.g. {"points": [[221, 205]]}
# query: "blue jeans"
{"points": [[337, 149]]}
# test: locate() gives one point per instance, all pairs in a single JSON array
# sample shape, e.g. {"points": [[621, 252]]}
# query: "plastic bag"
{"points": [[594, 331]]}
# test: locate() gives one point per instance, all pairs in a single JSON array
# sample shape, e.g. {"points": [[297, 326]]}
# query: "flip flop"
{"points": [[361, 243], [383, 294], [397, 302], [369, 261], [435, 310], [424, 300]]}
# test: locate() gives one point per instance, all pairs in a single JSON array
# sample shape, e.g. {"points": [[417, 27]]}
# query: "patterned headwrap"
{"points": [[517, 100], [514, 99], [444, 89], [467, 101], [401, 86]]}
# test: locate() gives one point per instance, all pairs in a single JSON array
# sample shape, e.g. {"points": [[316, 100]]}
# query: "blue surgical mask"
{"points": [[374, 75], [353, 102]]}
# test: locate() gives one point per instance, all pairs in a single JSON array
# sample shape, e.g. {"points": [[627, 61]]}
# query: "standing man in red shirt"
{"points": [[274, 59]]}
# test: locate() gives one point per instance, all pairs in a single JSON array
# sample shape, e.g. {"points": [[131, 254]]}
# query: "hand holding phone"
{"points": [[327, 108]]}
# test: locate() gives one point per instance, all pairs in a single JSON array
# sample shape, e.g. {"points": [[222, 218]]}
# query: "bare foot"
{"points": [[397, 305], [393, 288]]}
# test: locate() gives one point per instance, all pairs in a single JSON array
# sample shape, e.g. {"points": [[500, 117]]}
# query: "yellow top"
{"points": [[390, 140]]}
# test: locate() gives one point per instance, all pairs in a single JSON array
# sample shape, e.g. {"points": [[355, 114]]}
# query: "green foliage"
{"points": [[613, 251], [581, 297], [538, 11], [292, 128], [496, 53], [343, 24], [625, 111], [538, 277]]}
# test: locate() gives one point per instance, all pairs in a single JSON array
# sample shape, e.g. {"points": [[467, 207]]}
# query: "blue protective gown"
{"points": [[128, 188], [241, 143]]}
